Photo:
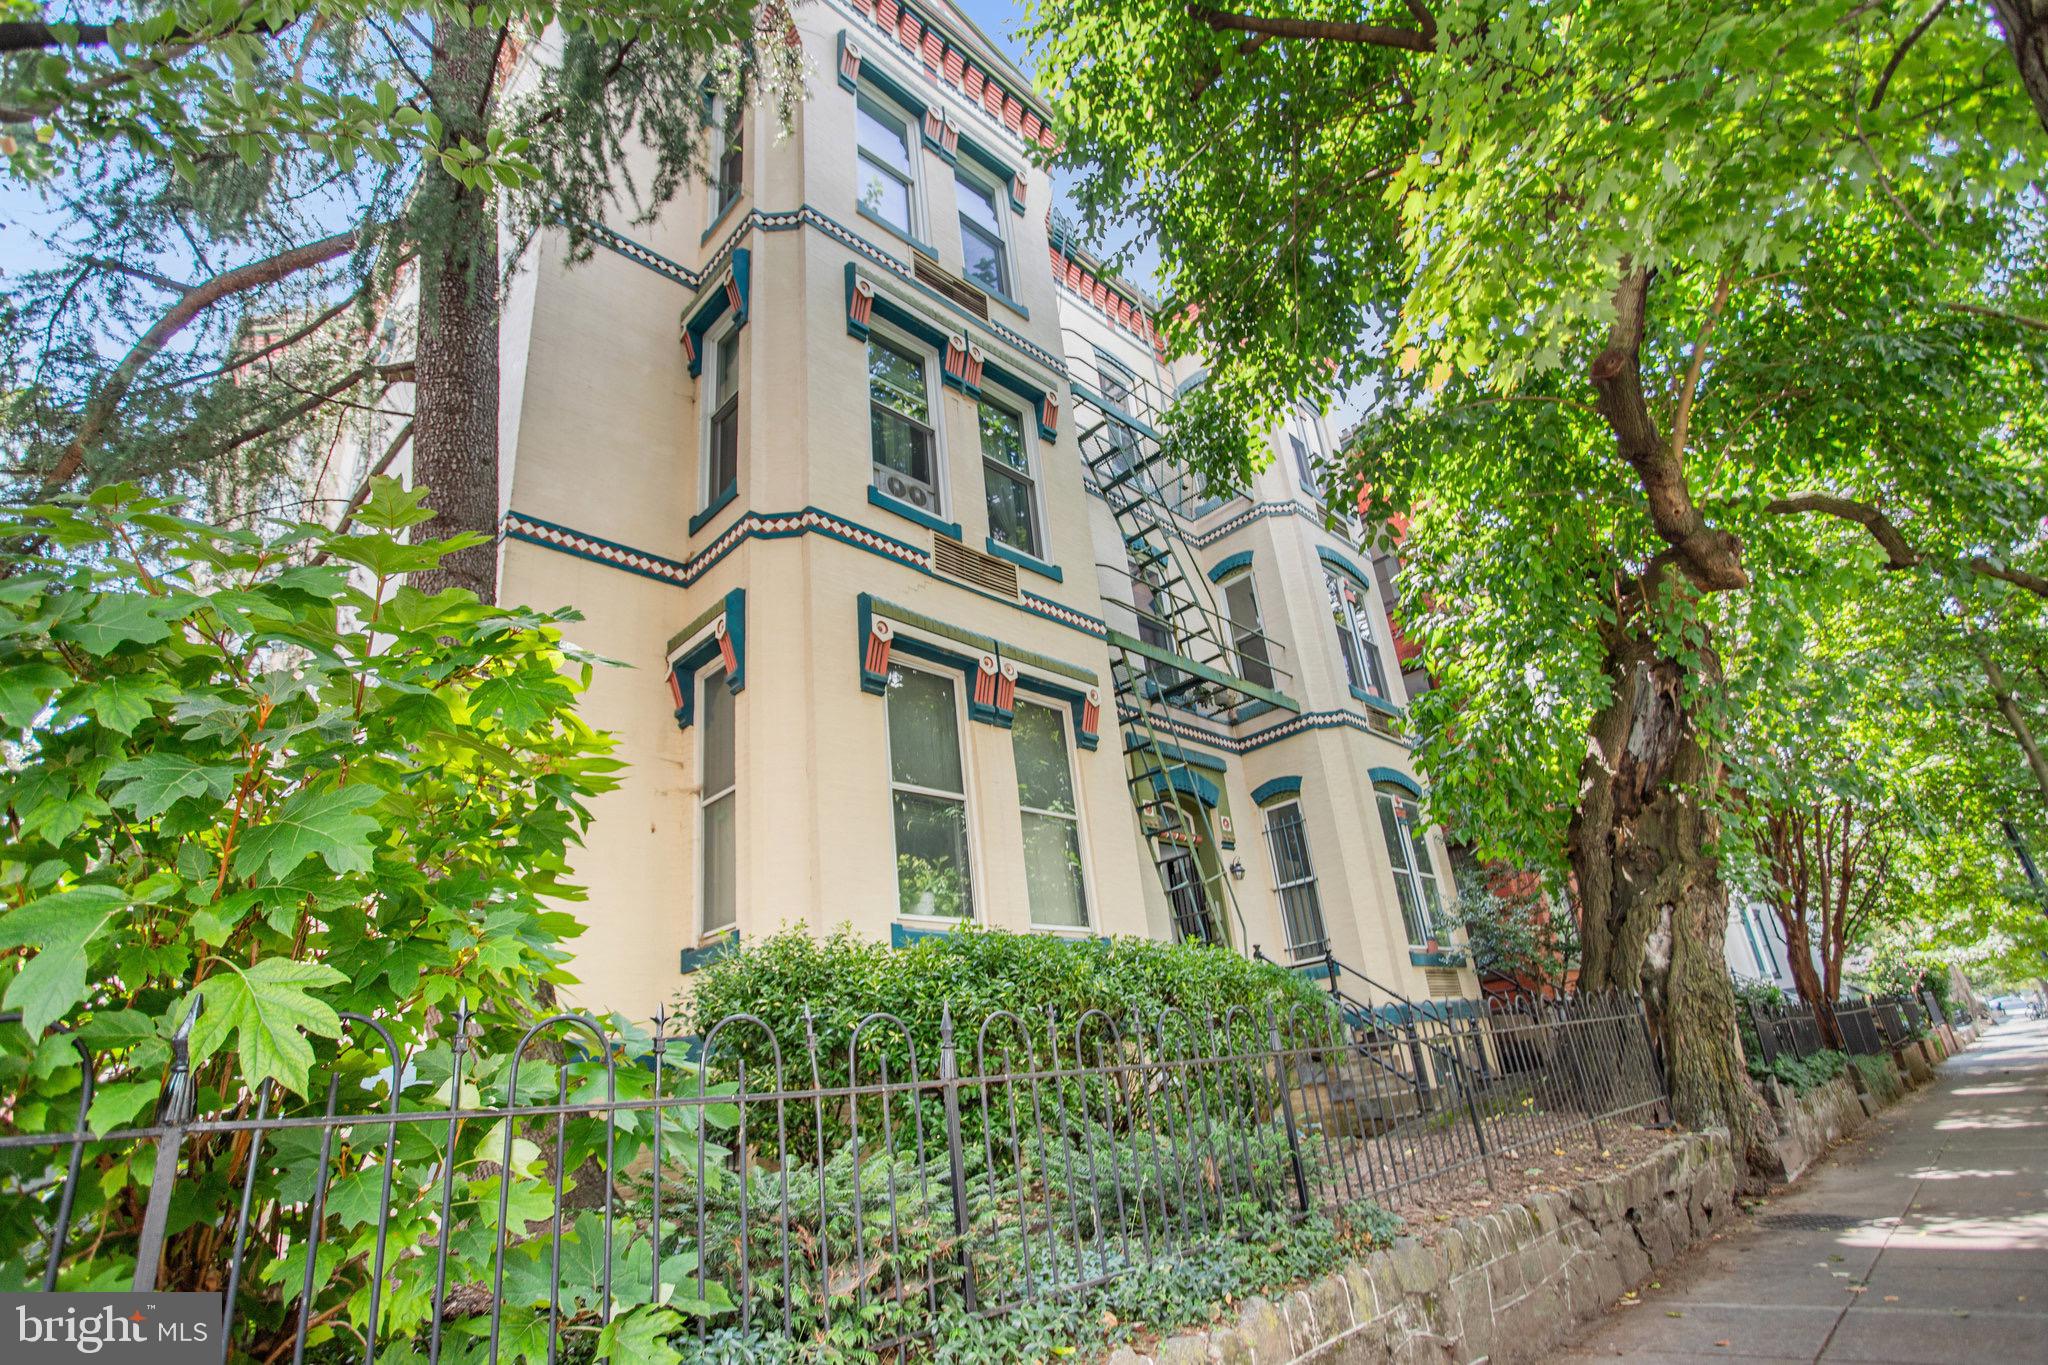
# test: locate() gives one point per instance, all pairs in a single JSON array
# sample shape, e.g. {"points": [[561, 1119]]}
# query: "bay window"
{"points": [[722, 432]]}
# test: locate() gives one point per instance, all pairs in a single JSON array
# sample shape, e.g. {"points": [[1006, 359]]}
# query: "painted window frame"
{"points": [[725, 193], [1357, 619], [711, 403], [1411, 857], [880, 105], [714, 674], [997, 197], [956, 687], [930, 364], [1306, 949], [1257, 630], [1060, 718], [1034, 484]]}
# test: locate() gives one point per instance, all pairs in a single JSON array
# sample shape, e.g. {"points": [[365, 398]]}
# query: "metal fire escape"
{"points": [[1182, 654]]}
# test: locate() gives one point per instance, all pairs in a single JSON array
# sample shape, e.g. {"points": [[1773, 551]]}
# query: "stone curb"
{"points": [[1507, 1286]]}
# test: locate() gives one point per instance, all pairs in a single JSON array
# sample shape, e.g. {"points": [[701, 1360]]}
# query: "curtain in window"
{"points": [[1052, 827]]}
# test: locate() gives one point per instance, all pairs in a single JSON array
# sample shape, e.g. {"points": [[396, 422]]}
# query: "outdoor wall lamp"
{"points": [[1236, 870]]}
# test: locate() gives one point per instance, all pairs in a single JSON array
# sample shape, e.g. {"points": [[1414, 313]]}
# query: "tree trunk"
{"points": [[2009, 707], [455, 394], [1806, 977], [1654, 907], [2026, 32]]}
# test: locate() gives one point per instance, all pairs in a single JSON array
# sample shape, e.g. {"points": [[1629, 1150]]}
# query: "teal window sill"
{"points": [[1447, 957], [877, 498], [1030, 563], [714, 507], [885, 225], [903, 935], [723, 214], [706, 954], [1380, 704], [1004, 299]]}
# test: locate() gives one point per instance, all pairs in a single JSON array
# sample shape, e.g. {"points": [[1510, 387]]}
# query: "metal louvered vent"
{"points": [[952, 286], [1384, 724], [1442, 982], [954, 560]]}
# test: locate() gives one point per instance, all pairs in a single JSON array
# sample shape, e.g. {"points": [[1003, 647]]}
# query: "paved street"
{"points": [[1924, 1239]]}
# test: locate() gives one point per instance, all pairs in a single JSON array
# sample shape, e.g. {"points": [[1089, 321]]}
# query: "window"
{"points": [[1118, 385], [1351, 611], [1301, 438], [1052, 823], [732, 163], [716, 802], [1006, 475], [1247, 631], [887, 180], [722, 399], [1294, 882], [981, 236], [904, 444], [928, 791], [1408, 851]]}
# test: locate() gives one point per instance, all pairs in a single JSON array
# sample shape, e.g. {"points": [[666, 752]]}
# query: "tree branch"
{"points": [[1711, 559], [1899, 552], [31, 36], [1681, 422], [2020, 319], [1317, 30], [100, 410], [149, 276], [1892, 66]]}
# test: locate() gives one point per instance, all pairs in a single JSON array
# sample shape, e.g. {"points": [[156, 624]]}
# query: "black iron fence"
{"points": [[589, 1187], [1870, 1024]]}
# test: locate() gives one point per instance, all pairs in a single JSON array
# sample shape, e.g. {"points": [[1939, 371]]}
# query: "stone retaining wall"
{"points": [[1809, 1124], [1505, 1287]]}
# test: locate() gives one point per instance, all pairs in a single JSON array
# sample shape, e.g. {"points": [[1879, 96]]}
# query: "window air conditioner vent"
{"points": [[1443, 983], [956, 561], [1383, 724], [952, 286]]}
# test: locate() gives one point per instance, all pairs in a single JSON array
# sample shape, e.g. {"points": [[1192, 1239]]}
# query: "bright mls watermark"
{"points": [[116, 1329]]}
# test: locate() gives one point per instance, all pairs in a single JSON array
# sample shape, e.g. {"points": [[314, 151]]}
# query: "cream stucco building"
{"points": [[849, 458]]}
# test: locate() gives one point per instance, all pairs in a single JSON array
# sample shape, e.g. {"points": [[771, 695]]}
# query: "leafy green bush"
{"points": [[1800, 1074], [845, 977], [249, 773]]}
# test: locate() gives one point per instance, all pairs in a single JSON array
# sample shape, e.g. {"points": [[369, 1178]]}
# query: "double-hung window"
{"points": [[722, 433], [1118, 386], [1351, 613], [1006, 476], [928, 797], [717, 802], [1052, 822], [1408, 851], [1301, 439], [904, 445], [888, 180], [981, 236], [1247, 631], [1294, 882], [732, 161]]}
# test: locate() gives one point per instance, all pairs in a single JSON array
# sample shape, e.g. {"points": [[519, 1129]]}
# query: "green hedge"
{"points": [[844, 977]]}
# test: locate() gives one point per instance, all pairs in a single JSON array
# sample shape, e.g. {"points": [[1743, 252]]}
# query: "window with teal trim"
{"points": [[1053, 878], [904, 442], [1248, 631], [1294, 882], [722, 430], [1408, 852], [888, 170], [1006, 477], [1351, 613], [729, 139], [928, 796], [984, 258], [717, 803]]}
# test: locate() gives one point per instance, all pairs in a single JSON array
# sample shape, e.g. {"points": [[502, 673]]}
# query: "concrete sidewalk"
{"points": [[1923, 1239]]}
